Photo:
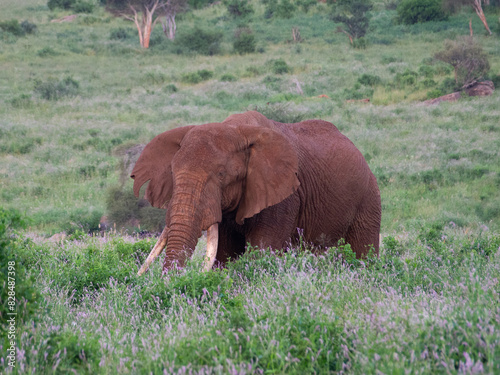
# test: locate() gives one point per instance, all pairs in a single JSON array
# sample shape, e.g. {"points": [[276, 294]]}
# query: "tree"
{"points": [[468, 59], [168, 23], [354, 15], [146, 13], [475, 4]]}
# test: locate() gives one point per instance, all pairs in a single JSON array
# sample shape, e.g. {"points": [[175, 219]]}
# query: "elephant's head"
{"points": [[199, 173]]}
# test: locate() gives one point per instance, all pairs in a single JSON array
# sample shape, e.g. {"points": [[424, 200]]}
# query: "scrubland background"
{"points": [[75, 96]]}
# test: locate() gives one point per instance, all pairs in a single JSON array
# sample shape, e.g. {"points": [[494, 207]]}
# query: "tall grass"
{"points": [[428, 304]]}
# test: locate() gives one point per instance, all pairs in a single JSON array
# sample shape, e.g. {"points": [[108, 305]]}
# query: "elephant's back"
{"points": [[311, 129], [321, 141], [315, 136], [327, 158]]}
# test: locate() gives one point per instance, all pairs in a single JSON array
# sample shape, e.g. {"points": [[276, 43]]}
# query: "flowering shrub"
{"points": [[427, 302]]}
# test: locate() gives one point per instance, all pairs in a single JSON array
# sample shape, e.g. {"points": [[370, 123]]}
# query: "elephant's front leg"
{"points": [[274, 226], [231, 241]]}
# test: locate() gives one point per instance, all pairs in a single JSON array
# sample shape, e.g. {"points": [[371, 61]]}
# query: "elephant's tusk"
{"points": [[157, 249], [212, 243]]}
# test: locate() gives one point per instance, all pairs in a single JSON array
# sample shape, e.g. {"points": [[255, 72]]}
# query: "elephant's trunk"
{"points": [[182, 240], [181, 245], [193, 208]]}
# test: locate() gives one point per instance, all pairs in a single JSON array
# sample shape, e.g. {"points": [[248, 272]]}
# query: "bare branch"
{"points": [[476, 4]]}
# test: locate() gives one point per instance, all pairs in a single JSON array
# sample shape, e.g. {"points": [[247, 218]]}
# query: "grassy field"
{"points": [[75, 95]]}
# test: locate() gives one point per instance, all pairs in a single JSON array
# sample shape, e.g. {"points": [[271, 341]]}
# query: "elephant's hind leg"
{"points": [[364, 232], [363, 237]]}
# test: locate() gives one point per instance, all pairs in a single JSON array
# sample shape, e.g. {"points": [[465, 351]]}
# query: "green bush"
{"points": [[196, 284], [427, 83], [252, 71], [244, 41], [91, 268], [448, 85], [83, 7], [192, 78], [47, 52], [120, 33], [83, 272], [91, 20], [79, 6], [392, 247], [18, 294], [197, 77], [279, 66], [62, 4], [228, 78], [426, 71], [431, 233], [239, 8], [496, 80], [407, 78], [280, 8], [205, 74], [357, 92], [28, 27], [306, 5], [272, 82], [54, 89], [360, 43], [170, 88], [154, 78], [416, 11], [369, 80], [13, 27], [205, 42]]}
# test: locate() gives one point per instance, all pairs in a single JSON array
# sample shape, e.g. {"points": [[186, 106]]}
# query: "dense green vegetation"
{"points": [[75, 97], [18, 299], [429, 304]]}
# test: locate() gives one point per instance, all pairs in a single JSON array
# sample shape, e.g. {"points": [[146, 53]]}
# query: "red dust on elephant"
{"points": [[251, 180]]}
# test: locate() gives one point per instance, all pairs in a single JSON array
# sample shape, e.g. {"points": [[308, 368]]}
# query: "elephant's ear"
{"points": [[271, 173], [154, 165]]}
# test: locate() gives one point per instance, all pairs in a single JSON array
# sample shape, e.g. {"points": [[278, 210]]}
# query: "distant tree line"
{"points": [[352, 15]]}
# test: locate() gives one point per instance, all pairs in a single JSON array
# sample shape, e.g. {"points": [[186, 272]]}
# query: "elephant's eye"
{"points": [[221, 173]]}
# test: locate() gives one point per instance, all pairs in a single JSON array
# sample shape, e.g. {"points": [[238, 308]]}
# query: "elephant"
{"points": [[252, 180]]}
